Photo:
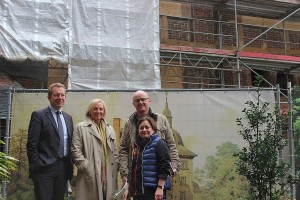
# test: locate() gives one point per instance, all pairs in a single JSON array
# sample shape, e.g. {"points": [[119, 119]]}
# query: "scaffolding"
{"points": [[203, 57]]}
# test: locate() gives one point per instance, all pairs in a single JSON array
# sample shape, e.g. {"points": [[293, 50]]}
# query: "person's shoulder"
{"points": [[39, 114], [85, 122], [108, 125], [131, 118], [161, 140], [41, 111], [82, 125], [163, 143], [160, 116], [110, 131]]}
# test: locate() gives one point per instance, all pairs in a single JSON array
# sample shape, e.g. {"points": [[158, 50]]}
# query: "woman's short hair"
{"points": [[151, 122], [93, 104]]}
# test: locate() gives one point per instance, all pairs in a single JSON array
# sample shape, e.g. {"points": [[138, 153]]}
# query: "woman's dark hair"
{"points": [[151, 122]]}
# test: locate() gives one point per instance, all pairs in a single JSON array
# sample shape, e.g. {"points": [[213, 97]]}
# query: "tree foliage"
{"points": [[296, 125], [7, 164], [20, 186], [218, 179], [258, 160]]}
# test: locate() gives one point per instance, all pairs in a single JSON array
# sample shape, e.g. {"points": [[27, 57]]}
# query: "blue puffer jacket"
{"points": [[151, 161], [150, 171]]}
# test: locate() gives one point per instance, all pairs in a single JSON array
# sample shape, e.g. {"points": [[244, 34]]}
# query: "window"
{"points": [[182, 180], [184, 165], [182, 196]]}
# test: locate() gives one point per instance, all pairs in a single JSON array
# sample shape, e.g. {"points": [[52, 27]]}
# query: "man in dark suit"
{"points": [[48, 147]]}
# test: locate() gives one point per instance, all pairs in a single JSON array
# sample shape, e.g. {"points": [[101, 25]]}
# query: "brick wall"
{"points": [[250, 32], [229, 78], [228, 31], [228, 16], [201, 25], [294, 38], [205, 29], [197, 78], [246, 77], [205, 32], [178, 28], [202, 12], [30, 83], [205, 78], [275, 39]]}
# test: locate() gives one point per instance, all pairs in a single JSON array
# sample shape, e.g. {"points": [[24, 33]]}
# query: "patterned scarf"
{"points": [[104, 161]]}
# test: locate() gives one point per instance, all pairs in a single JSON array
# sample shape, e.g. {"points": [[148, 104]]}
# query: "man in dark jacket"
{"points": [[48, 147]]}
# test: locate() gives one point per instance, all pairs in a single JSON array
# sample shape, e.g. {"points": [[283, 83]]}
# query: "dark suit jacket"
{"points": [[43, 141]]}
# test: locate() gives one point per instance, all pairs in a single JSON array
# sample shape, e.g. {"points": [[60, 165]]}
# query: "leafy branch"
{"points": [[258, 160], [7, 163]]}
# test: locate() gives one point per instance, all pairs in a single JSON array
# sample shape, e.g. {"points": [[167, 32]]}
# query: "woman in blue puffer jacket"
{"points": [[150, 165]]}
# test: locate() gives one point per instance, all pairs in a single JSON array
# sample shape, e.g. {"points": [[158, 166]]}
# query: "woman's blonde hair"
{"points": [[93, 104]]}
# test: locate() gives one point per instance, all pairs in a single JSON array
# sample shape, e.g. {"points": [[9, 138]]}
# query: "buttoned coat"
{"points": [[86, 151]]}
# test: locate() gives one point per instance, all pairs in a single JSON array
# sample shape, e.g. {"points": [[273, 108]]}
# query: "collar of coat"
{"points": [[135, 119], [88, 122]]}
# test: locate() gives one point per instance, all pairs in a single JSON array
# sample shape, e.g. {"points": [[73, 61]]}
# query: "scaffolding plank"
{"points": [[269, 56], [243, 54], [196, 49]]}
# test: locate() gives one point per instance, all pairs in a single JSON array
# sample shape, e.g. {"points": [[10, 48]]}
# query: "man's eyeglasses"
{"points": [[141, 99]]}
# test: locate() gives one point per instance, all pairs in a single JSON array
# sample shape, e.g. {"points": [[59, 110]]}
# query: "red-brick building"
{"points": [[224, 43]]}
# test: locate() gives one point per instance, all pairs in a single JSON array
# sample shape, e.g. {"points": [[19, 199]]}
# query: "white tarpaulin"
{"points": [[108, 44]]}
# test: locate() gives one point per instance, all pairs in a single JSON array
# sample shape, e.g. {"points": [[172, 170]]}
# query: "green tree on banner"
{"points": [[20, 186], [218, 179]]}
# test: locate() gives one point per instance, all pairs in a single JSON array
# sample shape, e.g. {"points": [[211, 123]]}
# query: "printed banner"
{"points": [[203, 123]]}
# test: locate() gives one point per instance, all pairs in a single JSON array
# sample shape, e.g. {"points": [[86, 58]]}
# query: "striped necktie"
{"points": [[61, 135]]}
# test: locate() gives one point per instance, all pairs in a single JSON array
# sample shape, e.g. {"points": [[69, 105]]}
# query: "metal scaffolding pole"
{"points": [[280, 154], [291, 137], [6, 139], [220, 24], [237, 45], [269, 28]]}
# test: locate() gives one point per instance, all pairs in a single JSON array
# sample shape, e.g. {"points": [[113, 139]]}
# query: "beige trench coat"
{"points": [[86, 151]]}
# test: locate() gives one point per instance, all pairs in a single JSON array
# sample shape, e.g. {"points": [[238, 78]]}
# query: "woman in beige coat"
{"points": [[93, 149]]}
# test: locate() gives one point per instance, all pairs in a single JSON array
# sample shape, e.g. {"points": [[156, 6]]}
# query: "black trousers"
{"points": [[50, 182]]}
